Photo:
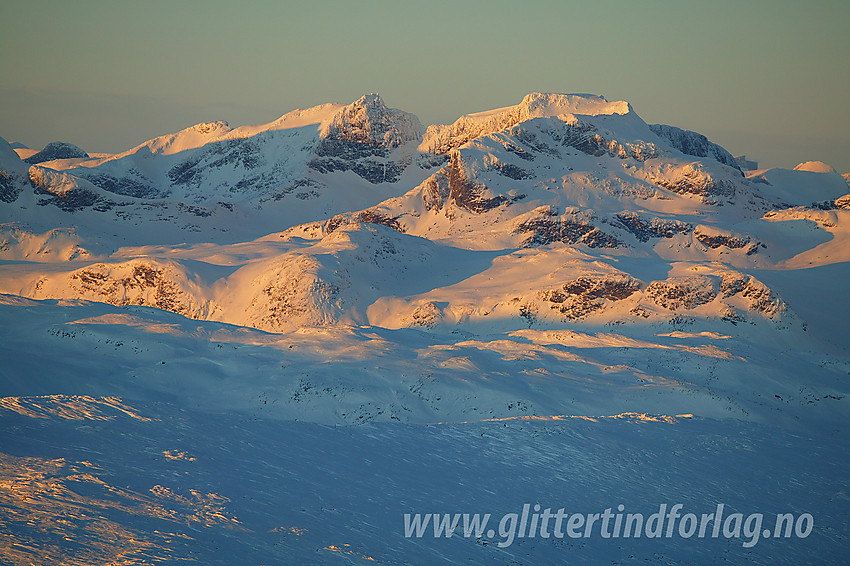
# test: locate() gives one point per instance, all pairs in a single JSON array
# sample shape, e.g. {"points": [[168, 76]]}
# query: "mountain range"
{"points": [[344, 213], [556, 259]]}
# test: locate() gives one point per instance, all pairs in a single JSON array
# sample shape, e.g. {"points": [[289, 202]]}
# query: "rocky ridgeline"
{"points": [[693, 143], [725, 296], [138, 282], [574, 175], [737, 297], [67, 192], [361, 138]]}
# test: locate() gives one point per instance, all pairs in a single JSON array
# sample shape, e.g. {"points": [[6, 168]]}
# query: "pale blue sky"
{"points": [[766, 78]]}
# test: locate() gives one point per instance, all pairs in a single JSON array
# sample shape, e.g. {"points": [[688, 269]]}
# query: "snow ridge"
{"points": [[443, 138]]}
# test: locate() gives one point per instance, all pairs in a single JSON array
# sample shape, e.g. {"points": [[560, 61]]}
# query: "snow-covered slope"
{"points": [[800, 187], [212, 161], [239, 183], [518, 274], [581, 184], [815, 167], [13, 173]]}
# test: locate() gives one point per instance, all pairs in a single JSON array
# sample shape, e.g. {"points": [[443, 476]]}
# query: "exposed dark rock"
{"points": [[127, 186], [430, 160], [693, 143], [307, 188], [733, 283], [11, 186], [596, 238], [242, 153], [360, 139], [377, 217], [584, 295], [732, 316], [436, 189], [761, 299], [370, 216], [715, 241], [71, 201], [684, 292], [335, 222], [532, 142], [426, 316], [64, 191], [602, 287], [529, 313], [194, 209], [511, 171], [542, 231], [468, 194], [694, 181], [597, 145], [56, 150], [518, 151], [146, 285], [824, 205], [184, 173], [585, 138], [644, 229], [9, 189], [374, 171], [351, 149]]}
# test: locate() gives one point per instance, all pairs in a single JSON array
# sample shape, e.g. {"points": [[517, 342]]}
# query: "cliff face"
{"points": [[361, 138], [693, 143]]}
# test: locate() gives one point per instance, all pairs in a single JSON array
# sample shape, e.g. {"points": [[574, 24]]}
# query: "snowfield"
{"points": [[268, 344]]}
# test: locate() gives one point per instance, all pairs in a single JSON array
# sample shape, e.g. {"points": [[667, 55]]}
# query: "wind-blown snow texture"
{"points": [[342, 265]]}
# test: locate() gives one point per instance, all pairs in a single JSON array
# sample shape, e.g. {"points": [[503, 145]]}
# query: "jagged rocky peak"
{"points": [[443, 138], [211, 127], [368, 121], [200, 132], [57, 150], [694, 143], [361, 137]]}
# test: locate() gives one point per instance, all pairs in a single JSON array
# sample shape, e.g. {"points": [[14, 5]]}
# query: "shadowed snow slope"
{"points": [[537, 303]]}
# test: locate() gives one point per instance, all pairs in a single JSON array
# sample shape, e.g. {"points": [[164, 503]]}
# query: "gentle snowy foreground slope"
{"points": [[269, 344]]}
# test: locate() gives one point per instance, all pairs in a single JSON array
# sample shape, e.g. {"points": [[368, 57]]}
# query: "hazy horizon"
{"points": [[765, 79]]}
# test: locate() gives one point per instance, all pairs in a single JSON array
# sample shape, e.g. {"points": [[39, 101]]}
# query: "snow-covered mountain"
{"points": [[551, 260], [56, 151], [240, 183], [582, 211]]}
